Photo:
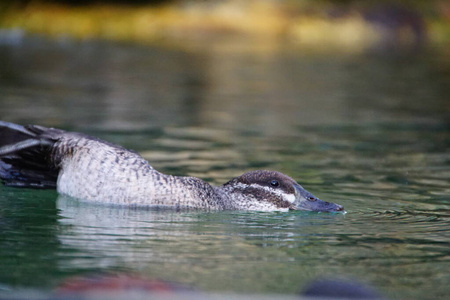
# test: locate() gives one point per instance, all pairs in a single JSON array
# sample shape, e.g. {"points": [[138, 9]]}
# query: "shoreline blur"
{"points": [[351, 28]]}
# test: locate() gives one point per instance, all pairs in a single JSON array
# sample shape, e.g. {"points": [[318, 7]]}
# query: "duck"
{"points": [[93, 170]]}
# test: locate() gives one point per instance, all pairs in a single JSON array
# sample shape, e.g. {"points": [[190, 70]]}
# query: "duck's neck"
{"points": [[184, 192], [230, 199]]}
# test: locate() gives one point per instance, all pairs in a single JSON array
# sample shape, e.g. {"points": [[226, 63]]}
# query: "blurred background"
{"points": [[205, 62], [351, 98], [349, 25]]}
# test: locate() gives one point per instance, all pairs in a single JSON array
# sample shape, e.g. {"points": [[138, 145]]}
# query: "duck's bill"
{"points": [[304, 200]]}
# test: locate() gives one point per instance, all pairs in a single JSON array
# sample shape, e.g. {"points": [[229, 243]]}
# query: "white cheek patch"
{"points": [[288, 197]]}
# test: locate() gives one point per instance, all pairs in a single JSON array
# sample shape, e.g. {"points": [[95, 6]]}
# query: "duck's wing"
{"points": [[31, 155], [25, 155]]}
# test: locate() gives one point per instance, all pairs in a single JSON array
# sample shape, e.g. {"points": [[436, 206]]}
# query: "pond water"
{"points": [[370, 131]]}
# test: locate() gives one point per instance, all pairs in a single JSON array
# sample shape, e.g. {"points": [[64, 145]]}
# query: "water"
{"points": [[368, 131]]}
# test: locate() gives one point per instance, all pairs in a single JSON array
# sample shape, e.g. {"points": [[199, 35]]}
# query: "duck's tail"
{"points": [[25, 155]]}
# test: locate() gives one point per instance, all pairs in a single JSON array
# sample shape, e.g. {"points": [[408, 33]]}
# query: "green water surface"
{"points": [[369, 131]]}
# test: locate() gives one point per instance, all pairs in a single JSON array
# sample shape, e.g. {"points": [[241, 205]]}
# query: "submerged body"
{"points": [[88, 168]]}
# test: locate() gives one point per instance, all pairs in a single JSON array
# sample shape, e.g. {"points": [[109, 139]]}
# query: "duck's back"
{"points": [[97, 171], [76, 164]]}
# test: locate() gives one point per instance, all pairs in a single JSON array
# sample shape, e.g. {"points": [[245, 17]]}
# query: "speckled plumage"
{"points": [[93, 170]]}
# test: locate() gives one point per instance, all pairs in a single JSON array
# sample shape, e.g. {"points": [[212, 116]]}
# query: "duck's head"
{"points": [[273, 191]]}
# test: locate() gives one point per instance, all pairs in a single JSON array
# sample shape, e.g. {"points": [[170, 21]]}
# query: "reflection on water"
{"points": [[368, 132], [248, 251]]}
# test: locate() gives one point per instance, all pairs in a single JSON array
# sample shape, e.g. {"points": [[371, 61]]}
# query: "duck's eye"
{"points": [[274, 183]]}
